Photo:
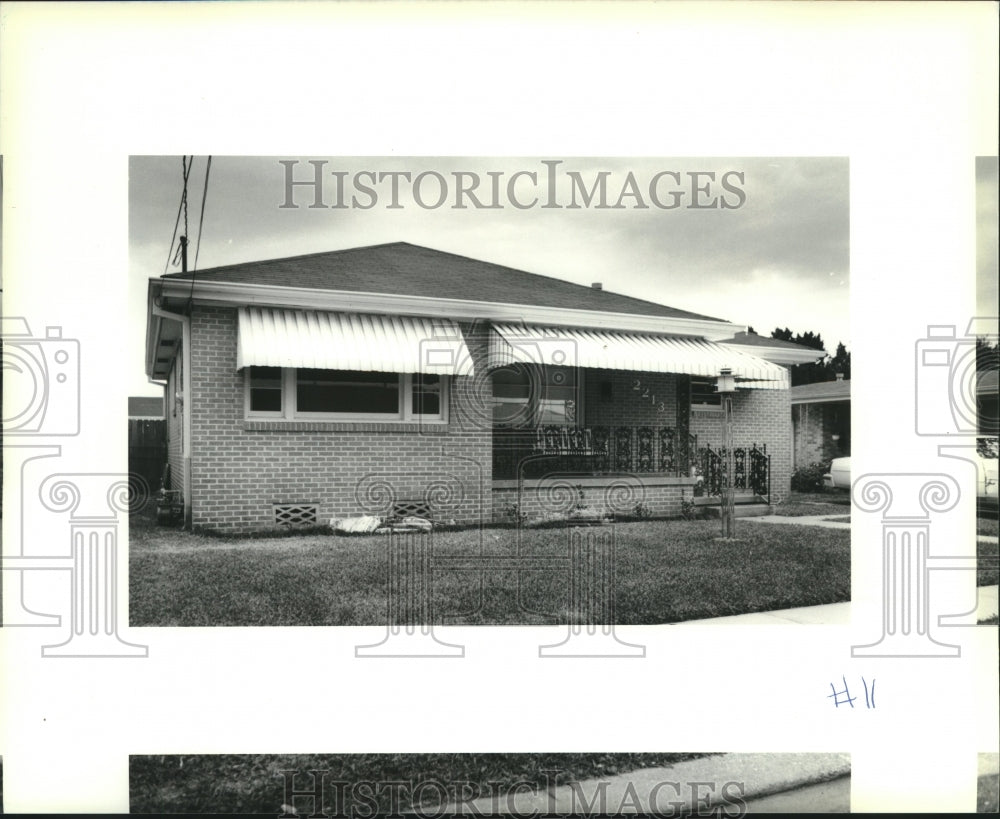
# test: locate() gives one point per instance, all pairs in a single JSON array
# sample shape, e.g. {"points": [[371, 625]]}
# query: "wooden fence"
{"points": [[147, 453]]}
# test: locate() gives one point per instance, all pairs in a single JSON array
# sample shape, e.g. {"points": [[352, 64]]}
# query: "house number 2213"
{"points": [[637, 386]]}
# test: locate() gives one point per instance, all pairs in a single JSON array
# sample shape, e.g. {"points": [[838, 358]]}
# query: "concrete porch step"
{"points": [[742, 510], [738, 498]]}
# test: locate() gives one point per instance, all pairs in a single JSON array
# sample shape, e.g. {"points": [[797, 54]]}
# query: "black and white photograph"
{"points": [[484, 784], [493, 353], [499, 408]]}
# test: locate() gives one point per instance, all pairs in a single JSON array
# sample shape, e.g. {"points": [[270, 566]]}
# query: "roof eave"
{"points": [[826, 399], [240, 293], [152, 336], [780, 355]]}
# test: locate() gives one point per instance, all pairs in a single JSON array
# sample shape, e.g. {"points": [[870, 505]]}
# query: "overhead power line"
{"points": [[201, 217], [182, 205]]}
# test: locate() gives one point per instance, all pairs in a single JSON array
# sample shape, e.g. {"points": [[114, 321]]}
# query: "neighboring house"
{"points": [[821, 421], [398, 378]]}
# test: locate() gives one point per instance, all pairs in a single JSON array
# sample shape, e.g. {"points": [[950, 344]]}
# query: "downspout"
{"points": [[186, 393]]}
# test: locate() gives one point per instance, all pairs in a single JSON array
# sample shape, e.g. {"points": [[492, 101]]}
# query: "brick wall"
{"points": [[241, 469], [637, 399], [538, 499], [759, 417], [814, 426]]}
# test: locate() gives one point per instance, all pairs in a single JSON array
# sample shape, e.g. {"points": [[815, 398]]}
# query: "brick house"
{"points": [[399, 378], [821, 420]]}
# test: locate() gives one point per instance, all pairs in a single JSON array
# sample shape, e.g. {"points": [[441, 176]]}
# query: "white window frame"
{"points": [[273, 414], [289, 412]]}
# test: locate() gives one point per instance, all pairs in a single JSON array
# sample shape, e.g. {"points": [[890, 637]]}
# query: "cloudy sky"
{"points": [[777, 254]]}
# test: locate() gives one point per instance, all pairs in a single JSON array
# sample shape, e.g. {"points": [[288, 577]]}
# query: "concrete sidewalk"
{"points": [[802, 520], [695, 786], [831, 614], [834, 614]]}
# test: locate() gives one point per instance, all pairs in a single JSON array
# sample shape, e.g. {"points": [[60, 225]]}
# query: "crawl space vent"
{"points": [[296, 514]]}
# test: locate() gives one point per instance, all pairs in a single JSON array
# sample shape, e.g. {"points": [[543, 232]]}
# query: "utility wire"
{"points": [[201, 217], [177, 221]]}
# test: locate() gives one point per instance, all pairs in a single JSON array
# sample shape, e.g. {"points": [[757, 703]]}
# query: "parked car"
{"points": [[839, 476]]}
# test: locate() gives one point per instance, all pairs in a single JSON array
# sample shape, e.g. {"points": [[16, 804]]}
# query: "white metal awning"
{"points": [[271, 337], [611, 350]]}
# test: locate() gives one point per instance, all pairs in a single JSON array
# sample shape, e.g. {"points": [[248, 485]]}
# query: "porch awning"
{"points": [[271, 337], [612, 350]]}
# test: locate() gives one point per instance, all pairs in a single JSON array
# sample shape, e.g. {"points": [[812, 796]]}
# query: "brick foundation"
{"points": [[659, 495]]}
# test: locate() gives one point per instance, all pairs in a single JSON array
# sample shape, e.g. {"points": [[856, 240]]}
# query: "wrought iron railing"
{"points": [[751, 470], [593, 450]]}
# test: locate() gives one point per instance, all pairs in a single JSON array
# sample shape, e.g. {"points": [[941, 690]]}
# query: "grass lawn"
{"points": [[798, 509], [801, 504], [230, 783], [988, 571], [666, 571], [840, 497], [987, 526]]}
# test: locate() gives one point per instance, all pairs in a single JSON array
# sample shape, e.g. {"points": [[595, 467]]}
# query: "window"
{"points": [[346, 391], [315, 394], [703, 394], [426, 395], [265, 390], [529, 396]]}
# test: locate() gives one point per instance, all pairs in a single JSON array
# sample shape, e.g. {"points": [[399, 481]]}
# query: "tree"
{"points": [[826, 368], [987, 355], [841, 362]]}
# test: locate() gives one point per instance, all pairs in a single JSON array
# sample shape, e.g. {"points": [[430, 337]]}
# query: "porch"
{"points": [[639, 470]]}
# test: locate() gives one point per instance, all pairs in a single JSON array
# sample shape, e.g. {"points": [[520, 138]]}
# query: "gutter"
{"points": [[185, 322], [242, 294]]}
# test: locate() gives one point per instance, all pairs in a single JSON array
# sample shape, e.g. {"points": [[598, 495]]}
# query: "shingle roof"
{"points": [[754, 340], [142, 406], [821, 391], [401, 268]]}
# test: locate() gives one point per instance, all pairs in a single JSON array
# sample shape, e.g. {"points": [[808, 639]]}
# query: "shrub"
{"points": [[512, 512], [690, 510], [810, 478], [641, 511]]}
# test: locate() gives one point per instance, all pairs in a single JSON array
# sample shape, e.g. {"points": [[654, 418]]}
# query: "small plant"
{"points": [[512, 511], [810, 478], [698, 475], [641, 511], [689, 509]]}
